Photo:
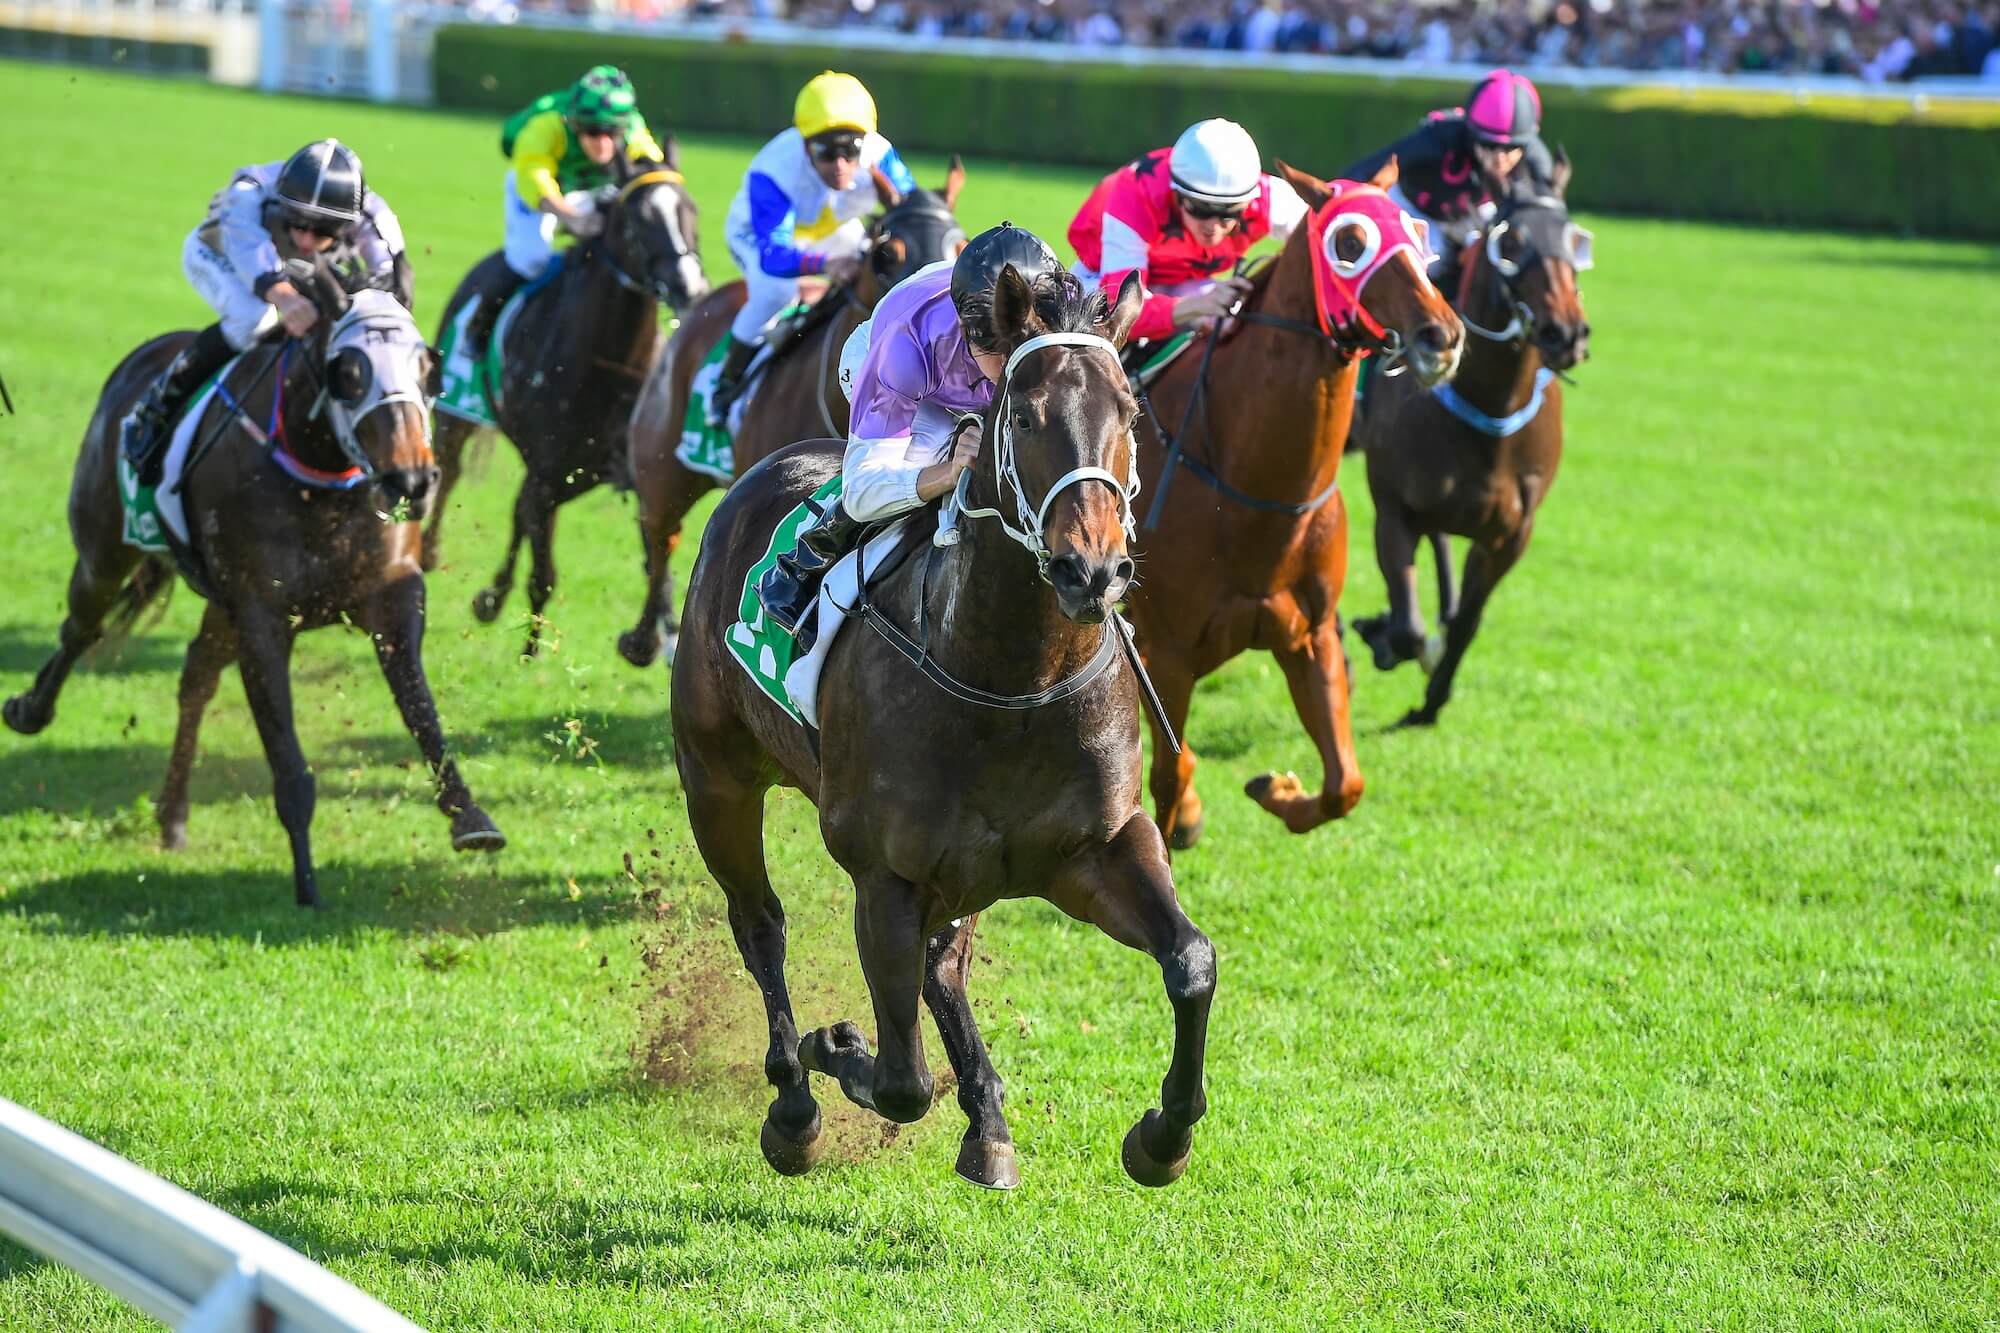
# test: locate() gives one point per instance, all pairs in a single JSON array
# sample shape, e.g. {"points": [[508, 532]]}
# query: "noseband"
{"points": [[1032, 517]]}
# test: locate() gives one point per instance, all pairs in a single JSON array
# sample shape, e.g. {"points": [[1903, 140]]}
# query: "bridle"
{"points": [[654, 289], [1031, 517], [1576, 248]]}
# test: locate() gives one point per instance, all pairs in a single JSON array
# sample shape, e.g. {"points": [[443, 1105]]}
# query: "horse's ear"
{"points": [[889, 255], [1559, 178], [1013, 307], [434, 375], [670, 153], [1310, 187], [1386, 176], [885, 192], [954, 181], [1125, 310]]}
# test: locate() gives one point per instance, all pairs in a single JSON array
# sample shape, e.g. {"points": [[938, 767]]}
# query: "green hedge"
{"points": [[1746, 157], [96, 49]]}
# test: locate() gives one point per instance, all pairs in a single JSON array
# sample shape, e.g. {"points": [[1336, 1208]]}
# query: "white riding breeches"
{"points": [[769, 294], [530, 237], [245, 317]]}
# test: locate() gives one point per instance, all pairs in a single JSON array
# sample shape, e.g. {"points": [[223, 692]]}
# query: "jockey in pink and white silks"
{"points": [[1181, 218], [919, 374], [1443, 166]]}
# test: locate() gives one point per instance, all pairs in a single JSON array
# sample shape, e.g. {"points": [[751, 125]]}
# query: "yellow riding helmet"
{"points": [[834, 102]]}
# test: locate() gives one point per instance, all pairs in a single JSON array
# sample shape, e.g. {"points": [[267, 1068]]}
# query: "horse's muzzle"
{"points": [[411, 486], [1086, 590], [1433, 351], [1563, 344]]}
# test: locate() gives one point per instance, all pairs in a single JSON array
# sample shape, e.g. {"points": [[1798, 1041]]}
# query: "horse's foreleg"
{"points": [[449, 446], [1398, 635], [1484, 568], [264, 659], [663, 503], [986, 1157], [1128, 892], [213, 648], [541, 535], [395, 620], [1447, 606], [486, 603], [92, 593], [888, 931], [1316, 672], [1171, 779], [728, 823]]}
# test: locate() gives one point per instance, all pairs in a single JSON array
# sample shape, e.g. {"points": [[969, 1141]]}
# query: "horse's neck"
{"points": [[1497, 378], [1280, 385], [306, 433], [609, 317], [994, 621]]}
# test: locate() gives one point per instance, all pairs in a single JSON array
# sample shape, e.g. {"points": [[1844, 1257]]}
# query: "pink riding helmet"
{"points": [[1504, 108]]}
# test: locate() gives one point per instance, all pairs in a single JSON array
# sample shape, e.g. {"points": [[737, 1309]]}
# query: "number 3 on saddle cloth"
{"points": [[710, 449], [472, 393]]}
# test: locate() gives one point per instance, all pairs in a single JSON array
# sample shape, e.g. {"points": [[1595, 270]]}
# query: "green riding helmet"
{"points": [[603, 97]]}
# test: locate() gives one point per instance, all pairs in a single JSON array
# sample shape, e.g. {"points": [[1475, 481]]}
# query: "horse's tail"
{"points": [[154, 582]]}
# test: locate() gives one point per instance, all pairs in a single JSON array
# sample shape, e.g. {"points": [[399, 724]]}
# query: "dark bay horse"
{"points": [[303, 512], [936, 806], [798, 395], [1477, 460], [1250, 551], [574, 359]]}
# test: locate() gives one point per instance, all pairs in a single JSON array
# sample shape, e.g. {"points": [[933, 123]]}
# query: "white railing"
{"points": [[179, 1259], [93, 31]]}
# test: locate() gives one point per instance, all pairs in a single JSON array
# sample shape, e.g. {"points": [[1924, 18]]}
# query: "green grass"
{"points": [[1657, 987]]}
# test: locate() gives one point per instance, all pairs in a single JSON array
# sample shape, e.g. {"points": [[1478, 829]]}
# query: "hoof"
{"points": [[1187, 835], [486, 605], [1266, 788], [472, 831], [1431, 654], [790, 1157], [24, 719], [1416, 717], [1142, 1166], [988, 1165], [638, 649]]}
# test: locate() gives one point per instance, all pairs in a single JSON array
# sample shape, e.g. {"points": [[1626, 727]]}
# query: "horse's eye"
{"points": [[1022, 421], [1349, 244], [350, 375]]}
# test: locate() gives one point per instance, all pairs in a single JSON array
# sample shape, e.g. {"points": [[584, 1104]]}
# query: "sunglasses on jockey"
{"points": [[597, 129], [320, 227], [835, 147], [1211, 212]]}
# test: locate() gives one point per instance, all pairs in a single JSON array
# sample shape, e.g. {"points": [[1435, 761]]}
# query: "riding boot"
{"points": [[789, 587], [729, 381], [492, 296], [143, 433]]}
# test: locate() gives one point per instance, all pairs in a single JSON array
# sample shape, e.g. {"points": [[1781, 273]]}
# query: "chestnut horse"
{"points": [[1250, 551], [575, 358], [302, 512], [798, 395], [1009, 767], [1478, 459]]}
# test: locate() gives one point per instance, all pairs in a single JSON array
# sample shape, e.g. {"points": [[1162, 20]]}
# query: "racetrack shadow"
{"points": [[101, 779], [22, 652], [622, 737], [465, 896]]}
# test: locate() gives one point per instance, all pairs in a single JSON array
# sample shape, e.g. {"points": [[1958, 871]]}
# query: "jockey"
{"points": [[561, 146], [1181, 218], [314, 204], [1443, 166], [925, 378], [800, 212]]}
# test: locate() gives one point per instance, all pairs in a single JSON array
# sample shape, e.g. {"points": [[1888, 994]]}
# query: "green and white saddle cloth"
{"points": [[760, 645], [1162, 356], [471, 392], [710, 449], [151, 511]]}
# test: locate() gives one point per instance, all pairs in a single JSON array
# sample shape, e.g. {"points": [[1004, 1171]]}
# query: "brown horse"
{"points": [[1251, 550], [1009, 767], [574, 359], [287, 531], [1477, 460], [798, 395]]}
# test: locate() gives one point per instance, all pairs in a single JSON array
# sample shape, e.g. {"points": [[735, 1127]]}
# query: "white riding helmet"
{"points": [[1216, 162]]}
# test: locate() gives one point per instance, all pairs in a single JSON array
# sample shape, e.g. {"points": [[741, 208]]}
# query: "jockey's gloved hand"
{"points": [[585, 218]]}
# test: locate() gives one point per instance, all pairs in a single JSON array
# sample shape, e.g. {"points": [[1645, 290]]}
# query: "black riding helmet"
{"points": [[320, 186], [978, 269]]}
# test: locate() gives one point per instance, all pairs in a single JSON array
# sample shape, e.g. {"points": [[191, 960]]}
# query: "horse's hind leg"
{"points": [[486, 603], [213, 649], [1397, 635], [1484, 568], [449, 445], [542, 563], [662, 506], [1171, 781], [1317, 675], [94, 588], [728, 823], [986, 1157], [1127, 890]]}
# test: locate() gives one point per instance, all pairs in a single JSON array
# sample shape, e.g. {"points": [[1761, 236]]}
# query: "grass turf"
{"points": [[1656, 987]]}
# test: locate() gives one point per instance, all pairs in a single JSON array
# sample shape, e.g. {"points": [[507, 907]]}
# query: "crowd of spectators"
{"points": [[1874, 40]]}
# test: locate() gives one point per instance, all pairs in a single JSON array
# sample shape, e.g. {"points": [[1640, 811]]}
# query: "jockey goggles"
{"points": [[835, 147], [597, 129], [320, 227], [1201, 208]]}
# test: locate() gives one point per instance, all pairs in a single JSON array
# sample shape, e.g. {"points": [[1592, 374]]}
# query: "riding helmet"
{"points": [[833, 101], [1216, 162], [603, 96], [979, 264], [320, 185], [1503, 108]]}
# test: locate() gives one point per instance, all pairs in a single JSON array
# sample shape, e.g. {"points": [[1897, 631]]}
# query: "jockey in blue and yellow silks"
{"points": [[800, 211]]}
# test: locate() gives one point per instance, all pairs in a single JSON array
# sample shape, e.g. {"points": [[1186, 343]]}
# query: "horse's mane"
{"points": [[1063, 306]]}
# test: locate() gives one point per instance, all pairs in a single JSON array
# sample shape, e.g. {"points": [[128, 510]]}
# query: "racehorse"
{"points": [[1250, 550], [303, 511], [574, 358], [798, 395], [1476, 460], [1013, 772]]}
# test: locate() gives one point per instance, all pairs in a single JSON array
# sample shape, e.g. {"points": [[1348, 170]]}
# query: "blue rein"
{"points": [[1498, 427]]}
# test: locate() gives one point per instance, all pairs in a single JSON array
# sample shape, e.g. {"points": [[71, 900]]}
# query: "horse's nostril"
{"points": [[1122, 569], [1433, 338]]}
